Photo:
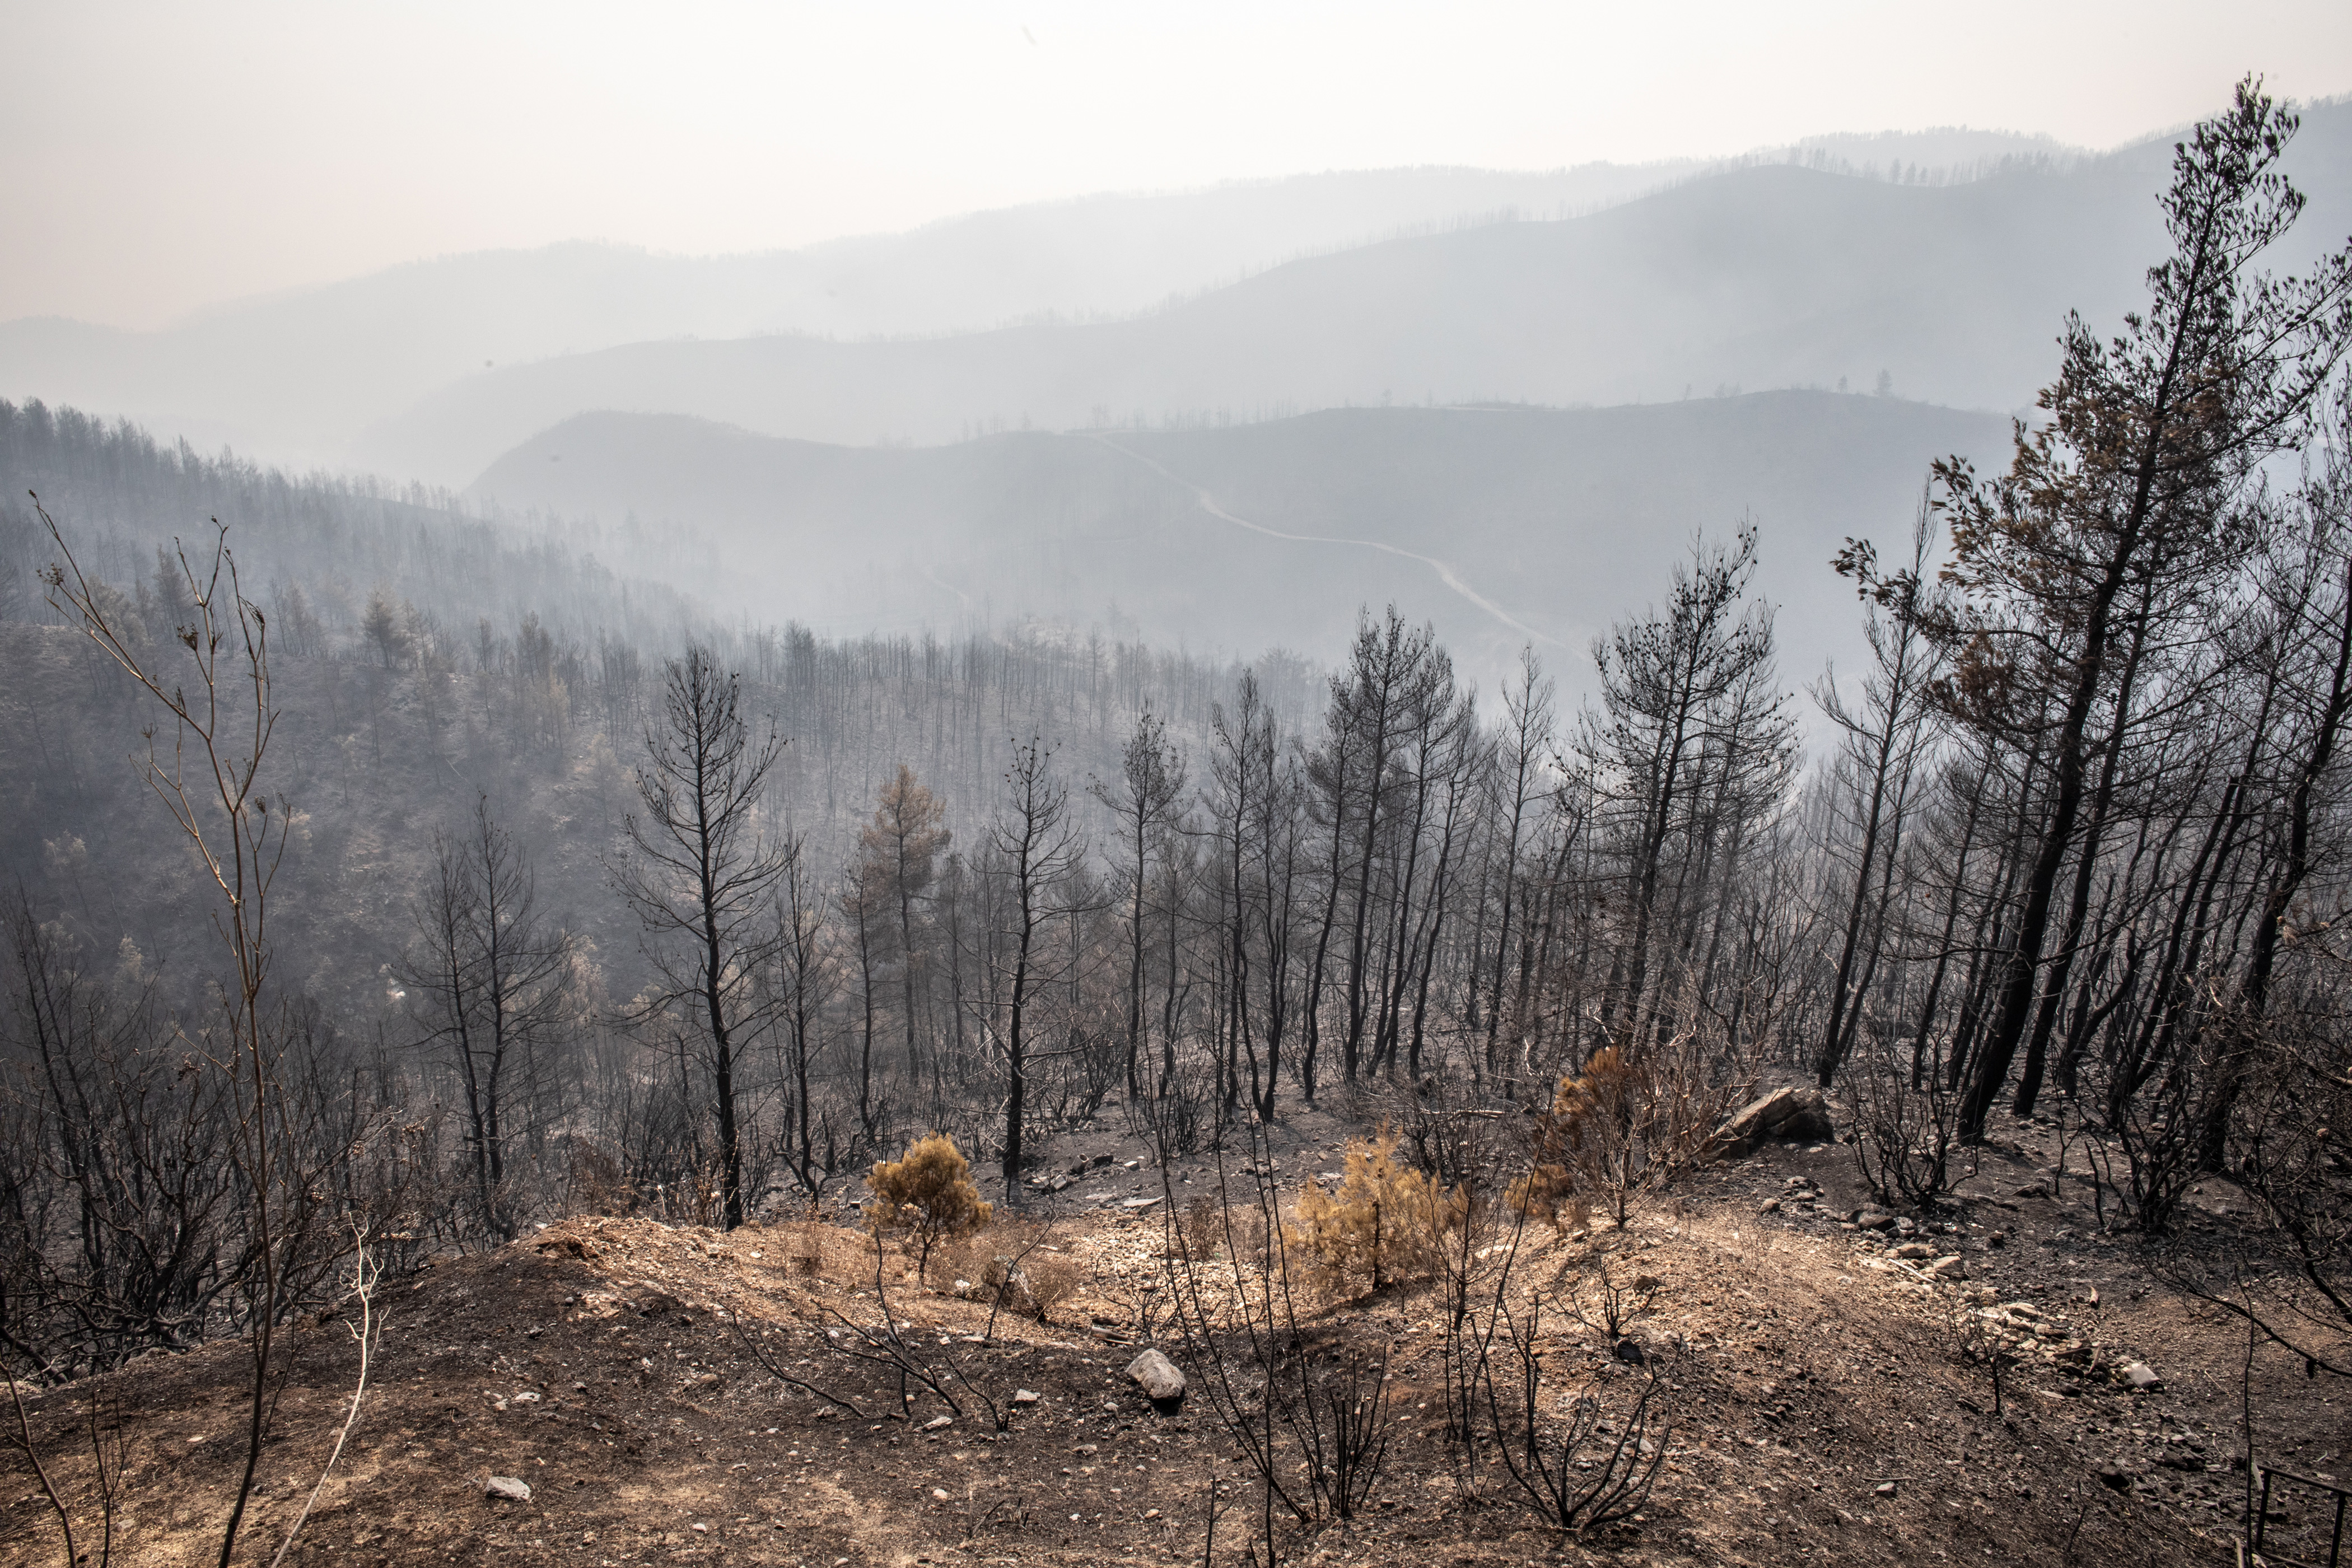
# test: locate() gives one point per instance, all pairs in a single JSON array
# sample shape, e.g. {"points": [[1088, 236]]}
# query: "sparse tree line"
{"points": [[2079, 831]]}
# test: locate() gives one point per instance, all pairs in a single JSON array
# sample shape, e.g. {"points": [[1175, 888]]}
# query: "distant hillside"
{"points": [[121, 495], [297, 375], [1758, 278], [1559, 521]]}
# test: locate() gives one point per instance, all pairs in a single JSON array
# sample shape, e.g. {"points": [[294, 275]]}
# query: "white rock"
{"points": [[1157, 1377], [2142, 1377], [938, 1422], [506, 1486]]}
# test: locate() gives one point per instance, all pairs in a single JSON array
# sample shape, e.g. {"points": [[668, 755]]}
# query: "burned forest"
{"points": [[511, 1052]]}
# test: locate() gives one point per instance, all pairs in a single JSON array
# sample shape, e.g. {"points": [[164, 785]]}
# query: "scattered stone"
{"points": [[1952, 1268], [1138, 1203], [1912, 1250], [507, 1488], [938, 1494], [1886, 1488], [1157, 1377], [1769, 1206], [1026, 1396], [1630, 1351], [1874, 1219], [2141, 1376], [939, 1423], [1647, 1282]]}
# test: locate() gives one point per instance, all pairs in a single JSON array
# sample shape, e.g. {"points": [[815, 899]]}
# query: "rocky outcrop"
{"points": [[1789, 1113]]}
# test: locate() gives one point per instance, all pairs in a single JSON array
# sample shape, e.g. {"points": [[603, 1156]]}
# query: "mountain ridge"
{"points": [[1770, 277]]}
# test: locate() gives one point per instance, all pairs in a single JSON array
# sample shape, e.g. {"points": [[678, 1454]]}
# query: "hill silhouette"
{"points": [[1507, 525], [1758, 278]]}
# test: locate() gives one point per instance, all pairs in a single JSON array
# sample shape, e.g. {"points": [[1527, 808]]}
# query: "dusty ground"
{"points": [[1824, 1416]]}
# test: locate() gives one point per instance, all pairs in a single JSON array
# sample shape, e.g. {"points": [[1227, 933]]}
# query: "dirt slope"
{"points": [[1823, 1416]]}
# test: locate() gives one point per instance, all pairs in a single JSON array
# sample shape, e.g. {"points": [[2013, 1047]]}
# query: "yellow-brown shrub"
{"points": [[929, 1193], [1625, 1125], [1387, 1221], [1565, 1139]]}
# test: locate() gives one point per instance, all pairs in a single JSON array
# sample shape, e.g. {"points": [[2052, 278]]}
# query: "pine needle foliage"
{"points": [[1386, 1222], [929, 1193]]}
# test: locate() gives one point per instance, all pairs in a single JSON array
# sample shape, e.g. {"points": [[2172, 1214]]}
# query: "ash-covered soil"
{"points": [[1824, 1410]]}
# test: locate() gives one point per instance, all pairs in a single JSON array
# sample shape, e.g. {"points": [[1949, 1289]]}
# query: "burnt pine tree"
{"points": [[807, 978], [1144, 803], [1883, 746], [702, 878], [2130, 494], [490, 977], [1038, 850], [900, 849], [1670, 683]]}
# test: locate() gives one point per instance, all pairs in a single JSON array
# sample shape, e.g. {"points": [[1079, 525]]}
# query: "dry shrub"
{"points": [[1388, 1221], [1628, 1121], [1018, 1265], [1201, 1229], [1547, 1193], [966, 1258], [1569, 1138], [1054, 1278], [929, 1193], [598, 1185], [809, 1250], [1014, 1267]]}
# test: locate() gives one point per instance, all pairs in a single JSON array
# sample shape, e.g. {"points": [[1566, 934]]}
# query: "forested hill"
{"points": [[1506, 525], [426, 657], [314, 544]]}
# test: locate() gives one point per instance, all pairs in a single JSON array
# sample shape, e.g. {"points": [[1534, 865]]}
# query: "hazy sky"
{"points": [[158, 158]]}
